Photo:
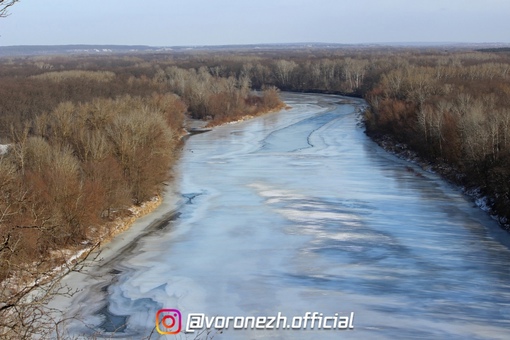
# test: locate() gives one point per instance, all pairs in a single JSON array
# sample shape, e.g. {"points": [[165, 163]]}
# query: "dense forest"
{"points": [[87, 137]]}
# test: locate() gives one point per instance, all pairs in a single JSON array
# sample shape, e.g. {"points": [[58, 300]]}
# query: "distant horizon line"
{"points": [[395, 43]]}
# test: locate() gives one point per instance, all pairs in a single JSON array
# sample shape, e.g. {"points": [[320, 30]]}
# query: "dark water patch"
{"points": [[112, 323], [191, 196]]}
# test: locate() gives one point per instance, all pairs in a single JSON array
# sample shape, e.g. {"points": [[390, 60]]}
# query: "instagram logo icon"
{"points": [[168, 321]]}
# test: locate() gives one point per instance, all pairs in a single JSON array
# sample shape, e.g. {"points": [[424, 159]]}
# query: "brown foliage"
{"points": [[70, 169]]}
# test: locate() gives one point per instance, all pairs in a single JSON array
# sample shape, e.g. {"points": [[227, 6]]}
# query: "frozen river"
{"points": [[298, 212]]}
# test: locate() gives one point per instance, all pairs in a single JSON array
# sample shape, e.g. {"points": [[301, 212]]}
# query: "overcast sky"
{"points": [[218, 22]]}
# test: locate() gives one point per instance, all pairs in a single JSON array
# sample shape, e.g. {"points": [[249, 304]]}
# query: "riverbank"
{"points": [[104, 234], [169, 200], [448, 172], [107, 242]]}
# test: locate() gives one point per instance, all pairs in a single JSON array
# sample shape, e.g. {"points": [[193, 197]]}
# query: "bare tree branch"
{"points": [[4, 6]]}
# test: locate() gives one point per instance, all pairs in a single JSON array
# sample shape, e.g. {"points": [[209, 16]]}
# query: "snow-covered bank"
{"points": [[153, 216]]}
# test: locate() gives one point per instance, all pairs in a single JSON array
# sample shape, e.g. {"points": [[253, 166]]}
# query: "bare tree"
{"points": [[393, 82], [355, 72], [4, 6], [423, 114], [283, 70], [505, 125], [443, 107]]}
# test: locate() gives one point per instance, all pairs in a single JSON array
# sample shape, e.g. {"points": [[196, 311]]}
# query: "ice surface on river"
{"points": [[299, 211]]}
